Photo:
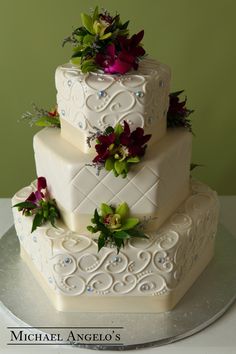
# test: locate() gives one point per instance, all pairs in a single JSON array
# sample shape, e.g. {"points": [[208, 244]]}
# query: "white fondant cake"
{"points": [[116, 122], [154, 188], [98, 100], [148, 275]]}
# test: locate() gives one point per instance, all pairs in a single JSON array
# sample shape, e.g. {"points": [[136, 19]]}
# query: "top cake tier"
{"points": [[97, 100]]}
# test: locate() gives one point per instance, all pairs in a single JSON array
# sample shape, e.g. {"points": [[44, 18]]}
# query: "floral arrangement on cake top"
{"points": [[103, 42], [42, 118], [40, 206], [115, 226], [118, 148], [178, 113]]}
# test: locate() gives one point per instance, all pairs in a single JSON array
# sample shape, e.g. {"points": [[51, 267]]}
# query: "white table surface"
{"points": [[219, 338]]}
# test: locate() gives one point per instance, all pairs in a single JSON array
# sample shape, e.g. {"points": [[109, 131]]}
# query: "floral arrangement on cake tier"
{"points": [[115, 226], [42, 118], [103, 42], [118, 148], [40, 206], [178, 113]]}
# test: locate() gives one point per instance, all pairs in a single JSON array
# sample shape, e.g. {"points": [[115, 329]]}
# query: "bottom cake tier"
{"points": [[148, 275]]}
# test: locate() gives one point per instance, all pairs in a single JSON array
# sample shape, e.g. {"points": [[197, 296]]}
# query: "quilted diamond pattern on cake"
{"points": [[117, 184], [85, 175], [86, 206], [99, 195], [151, 194], [147, 175], [77, 197], [149, 200], [144, 206], [101, 189], [132, 191]]}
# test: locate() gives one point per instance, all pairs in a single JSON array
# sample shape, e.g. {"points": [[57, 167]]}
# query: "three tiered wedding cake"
{"points": [[153, 227]]}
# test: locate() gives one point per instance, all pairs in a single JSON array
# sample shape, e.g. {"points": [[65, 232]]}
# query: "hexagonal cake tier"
{"points": [[96, 100], [149, 189], [148, 275]]}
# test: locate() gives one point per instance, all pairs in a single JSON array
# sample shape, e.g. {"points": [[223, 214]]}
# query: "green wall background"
{"points": [[195, 37]]}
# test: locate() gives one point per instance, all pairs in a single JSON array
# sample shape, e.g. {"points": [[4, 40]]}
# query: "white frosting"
{"points": [[72, 268], [97, 100], [153, 188]]}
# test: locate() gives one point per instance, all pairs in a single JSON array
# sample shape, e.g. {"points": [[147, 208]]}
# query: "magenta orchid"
{"points": [[121, 58], [36, 196], [39, 205], [178, 113], [118, 148]]}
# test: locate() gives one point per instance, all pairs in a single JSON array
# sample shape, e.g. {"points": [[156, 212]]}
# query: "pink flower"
{"points": [[121, 58], [36, 196]]}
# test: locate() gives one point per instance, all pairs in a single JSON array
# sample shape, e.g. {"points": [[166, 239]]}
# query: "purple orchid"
{"points": [[102, 148], [177, 107], [36, 196], [178, 113], [135, 141], [123, 57]]}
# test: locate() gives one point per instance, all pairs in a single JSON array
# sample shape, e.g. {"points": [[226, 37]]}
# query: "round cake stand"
{"points": [[210, 296]]}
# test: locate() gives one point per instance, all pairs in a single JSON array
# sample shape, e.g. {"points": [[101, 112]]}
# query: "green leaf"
{"points": [[38, 220], [101, 241], [115, 173], [76, 61], [78, 54], [78, 48], [119, 242], [118, 129], [52, 219], [96, 217], [194, 165], [88, 65], [92, 229], [135, 159], [105, 209], [25, 205], [125, 25], [130, 223], [87, 22], [105, 36], [122, 210], [95, 14], [176, 93], [47, 122], [109, 164], [109, 130], [88, 39], [120, 167], [136, 233], [121, 234]]}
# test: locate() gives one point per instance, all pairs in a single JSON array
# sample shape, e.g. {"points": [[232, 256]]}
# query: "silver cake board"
{"points": [[208, 299]]}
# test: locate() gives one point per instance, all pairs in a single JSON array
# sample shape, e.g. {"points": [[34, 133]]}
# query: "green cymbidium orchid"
{"points": [[117, 219], [114, 226], [95, 26], [99, 29]]}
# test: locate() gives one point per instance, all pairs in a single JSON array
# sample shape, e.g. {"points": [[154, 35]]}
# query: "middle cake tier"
{"points": [[153, 189]]}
